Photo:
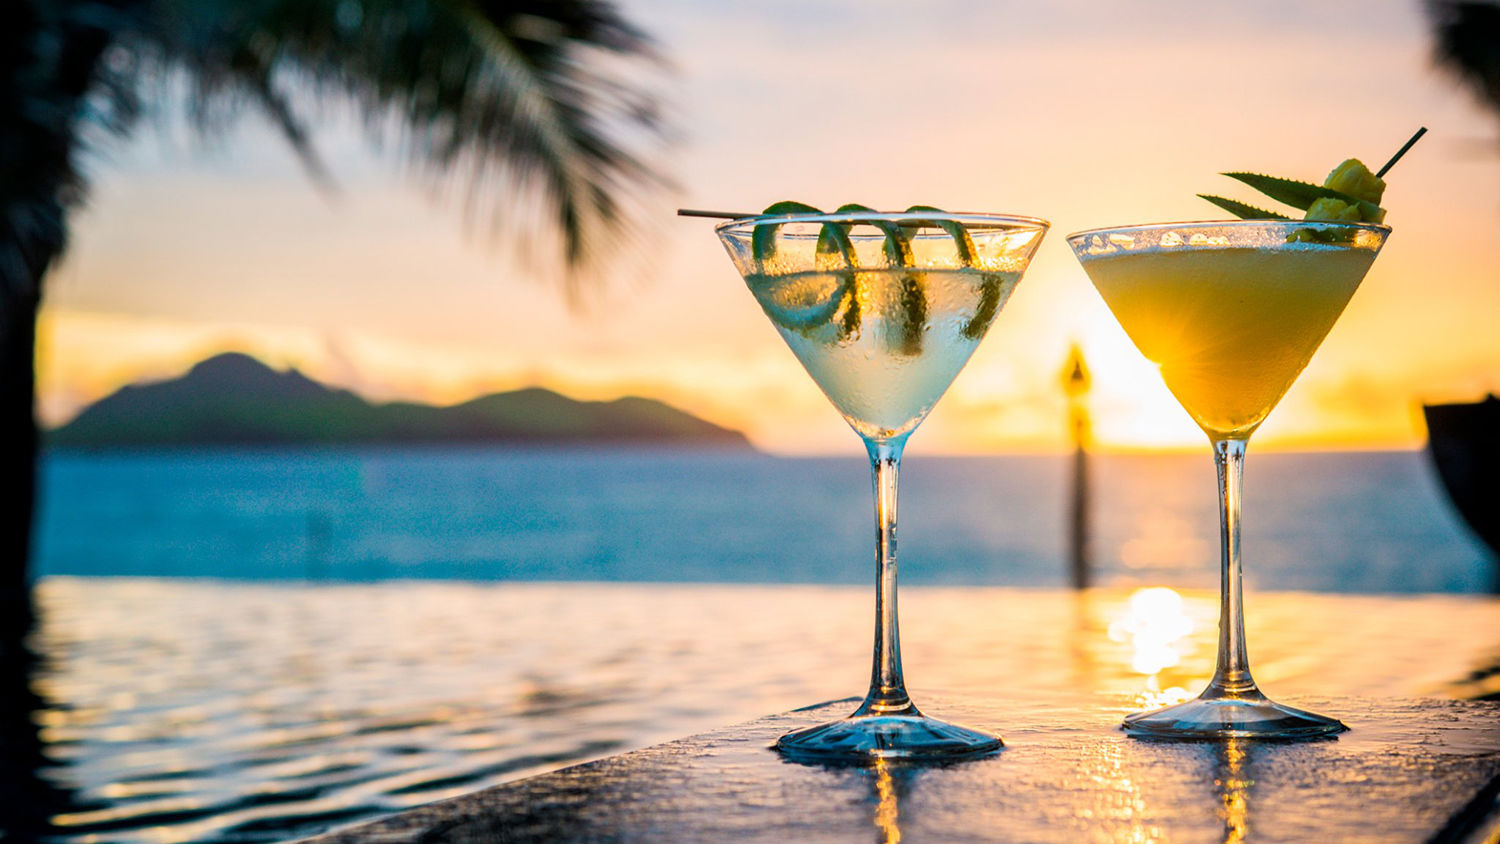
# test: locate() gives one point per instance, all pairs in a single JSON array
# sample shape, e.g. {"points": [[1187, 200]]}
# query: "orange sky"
{"points": [[1081, 113]]}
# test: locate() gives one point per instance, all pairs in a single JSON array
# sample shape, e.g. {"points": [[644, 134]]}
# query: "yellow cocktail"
{"points": [[1231, 312], [1231, 327]]}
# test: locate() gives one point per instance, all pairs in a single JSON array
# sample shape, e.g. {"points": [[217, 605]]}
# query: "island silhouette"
{"points": [[233, 399]]}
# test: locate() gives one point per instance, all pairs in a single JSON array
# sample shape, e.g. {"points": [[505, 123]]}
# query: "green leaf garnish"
{"points": [[1321, 203], [1242, 210], [1302, 194]]}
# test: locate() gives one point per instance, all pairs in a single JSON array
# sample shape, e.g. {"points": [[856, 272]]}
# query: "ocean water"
{"points": [[246, 647], [1372, 522]]}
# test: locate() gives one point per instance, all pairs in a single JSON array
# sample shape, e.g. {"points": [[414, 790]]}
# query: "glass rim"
{"points": [[982, 219], [1219, 224]]}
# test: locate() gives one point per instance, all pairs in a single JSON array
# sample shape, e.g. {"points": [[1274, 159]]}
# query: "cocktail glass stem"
{"points": [[1232, 672], [887, 695], [887, 725], [1232, 706]]}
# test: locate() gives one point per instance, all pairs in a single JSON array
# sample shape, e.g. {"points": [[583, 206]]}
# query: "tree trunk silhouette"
{"points": [[46, 67], [48, 64], [18, 433], [30, 800]]}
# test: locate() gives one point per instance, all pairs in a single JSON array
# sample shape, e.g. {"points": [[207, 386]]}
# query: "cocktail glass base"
{"points": [[869, 737], [1252, 716]]}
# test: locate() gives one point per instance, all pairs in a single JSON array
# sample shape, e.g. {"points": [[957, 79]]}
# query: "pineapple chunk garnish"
{"points": [[1354, 178], [1350, 194], [1329, 208]]}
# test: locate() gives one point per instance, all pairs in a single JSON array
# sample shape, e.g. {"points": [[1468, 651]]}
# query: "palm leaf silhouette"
{"points": [[1468, 44]]}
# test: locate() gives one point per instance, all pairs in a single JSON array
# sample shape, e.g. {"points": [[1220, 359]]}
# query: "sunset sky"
{"points": [[1086, 114]]}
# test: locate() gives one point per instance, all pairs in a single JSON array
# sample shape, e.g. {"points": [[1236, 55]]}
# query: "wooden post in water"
{"points": [[1075, 382]]}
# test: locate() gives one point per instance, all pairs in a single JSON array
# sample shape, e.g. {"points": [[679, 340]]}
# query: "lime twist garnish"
{"points": [[991, 284], [834, 242], [913, 295], [834, 239], [1351, 193]]}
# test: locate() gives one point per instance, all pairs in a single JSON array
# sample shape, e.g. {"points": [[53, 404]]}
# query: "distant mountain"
{"points": [[234, 399]]}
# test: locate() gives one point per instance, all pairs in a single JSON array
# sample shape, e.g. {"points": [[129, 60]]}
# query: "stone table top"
{"points": [[1408, 771]]}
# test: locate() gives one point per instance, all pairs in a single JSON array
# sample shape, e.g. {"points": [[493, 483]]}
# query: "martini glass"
{"points": [[1231, 312], [883, 310]]}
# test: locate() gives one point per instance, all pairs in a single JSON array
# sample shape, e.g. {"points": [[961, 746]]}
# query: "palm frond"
{"points": [[508, 101], [49, 69], [1468, 44]]}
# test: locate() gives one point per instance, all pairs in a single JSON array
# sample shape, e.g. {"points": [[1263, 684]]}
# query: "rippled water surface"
{"points": [[183, 710]]}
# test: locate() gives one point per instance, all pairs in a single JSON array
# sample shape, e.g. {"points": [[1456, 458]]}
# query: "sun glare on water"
{"points": [[1158, 629]]}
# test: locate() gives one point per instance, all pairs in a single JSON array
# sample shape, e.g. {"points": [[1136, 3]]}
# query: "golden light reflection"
{"points": [[886, 808], [1158, 631], [1106, 770], [1156, 697], [1154, 624], [1234, 784]]}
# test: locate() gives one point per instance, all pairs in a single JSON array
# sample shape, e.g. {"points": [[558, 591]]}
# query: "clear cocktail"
{"points": [[885, 371], [883, 310]]}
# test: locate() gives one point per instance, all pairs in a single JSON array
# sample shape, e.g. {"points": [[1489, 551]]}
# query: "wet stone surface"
{"points": [[1407, 771]]}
